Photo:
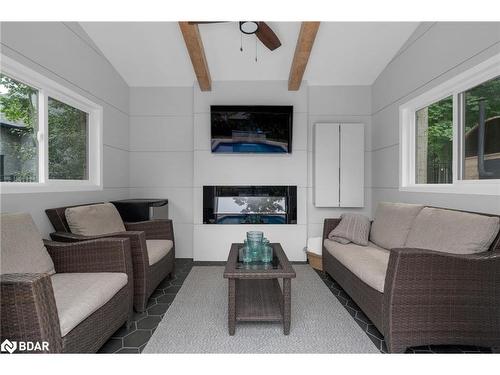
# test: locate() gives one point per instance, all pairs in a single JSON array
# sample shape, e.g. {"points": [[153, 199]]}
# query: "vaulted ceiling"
{"points": [[154, 53]]}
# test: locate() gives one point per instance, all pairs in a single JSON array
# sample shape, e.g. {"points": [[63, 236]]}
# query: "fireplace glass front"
{"points": [[249, 204]]}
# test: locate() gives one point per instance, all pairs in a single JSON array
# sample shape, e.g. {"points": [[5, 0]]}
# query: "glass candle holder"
{"points": [[267, 254]]}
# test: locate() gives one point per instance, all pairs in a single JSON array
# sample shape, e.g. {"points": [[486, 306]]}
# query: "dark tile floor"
{"points": [[144, 324]]}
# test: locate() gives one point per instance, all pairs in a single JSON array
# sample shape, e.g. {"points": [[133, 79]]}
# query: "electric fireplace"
{"points": [[250, 204]]}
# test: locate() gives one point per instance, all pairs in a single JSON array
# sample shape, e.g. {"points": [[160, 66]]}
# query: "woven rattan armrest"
{"points": [[428, 292], [72, 237], [28, 310], [412, 271], [329, 225], [155, 229], [101, 255]]}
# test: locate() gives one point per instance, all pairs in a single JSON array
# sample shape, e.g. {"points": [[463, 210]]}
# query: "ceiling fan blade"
{"points": [[267, 36]]}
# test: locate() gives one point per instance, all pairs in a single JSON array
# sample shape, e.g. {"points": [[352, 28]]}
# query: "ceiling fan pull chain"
{"points": [[255, 49], [241, 41]]}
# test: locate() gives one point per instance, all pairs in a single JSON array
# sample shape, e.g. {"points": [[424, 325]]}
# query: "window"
{"points": [[18, 131], [481, 136], [450, 135], [67, 142], [434, 146], [50, 136]]}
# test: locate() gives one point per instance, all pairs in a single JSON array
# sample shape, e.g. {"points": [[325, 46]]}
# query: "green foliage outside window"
{"points": [[18, 105], [67, 135], [67, 142]]}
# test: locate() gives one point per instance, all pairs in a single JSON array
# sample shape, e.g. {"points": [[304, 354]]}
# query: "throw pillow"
{"points": [[352, 228]]}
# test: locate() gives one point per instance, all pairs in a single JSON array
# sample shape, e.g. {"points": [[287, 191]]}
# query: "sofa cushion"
{"points": [[22, 248], [94, 219], [157, 249], [392, 223], [79, 295], [352, 228], [452, 231], [368, 263]]}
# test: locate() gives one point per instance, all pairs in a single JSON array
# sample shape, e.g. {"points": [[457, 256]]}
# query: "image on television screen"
{"points": [[251, 129]]}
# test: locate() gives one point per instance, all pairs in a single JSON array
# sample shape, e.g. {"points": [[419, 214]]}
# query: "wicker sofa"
{"points": [[152, 245], [73, 296], [416, 296]]}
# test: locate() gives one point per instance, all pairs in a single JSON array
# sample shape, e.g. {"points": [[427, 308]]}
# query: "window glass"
{"points": [[18, 131], [434, 143], [68, 128], [481, 131]]}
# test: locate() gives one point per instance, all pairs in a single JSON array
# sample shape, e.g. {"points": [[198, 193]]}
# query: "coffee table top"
{"points": [[280, 267]]}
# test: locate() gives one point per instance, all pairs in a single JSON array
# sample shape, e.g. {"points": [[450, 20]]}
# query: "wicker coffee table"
{"points": [[255, 294]]}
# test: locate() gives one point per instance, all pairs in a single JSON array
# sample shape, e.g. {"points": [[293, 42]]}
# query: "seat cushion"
{"points": [[157, 249], [352, 228], [79, 295], [392, 223], [94, 219], [22, 248], [452, 231], [368, 263]]}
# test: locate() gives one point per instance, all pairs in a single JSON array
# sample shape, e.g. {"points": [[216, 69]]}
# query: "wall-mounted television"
{"points": [[251, 129]]}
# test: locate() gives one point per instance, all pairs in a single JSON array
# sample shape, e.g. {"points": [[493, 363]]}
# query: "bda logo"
{"points": [[8, 346]]}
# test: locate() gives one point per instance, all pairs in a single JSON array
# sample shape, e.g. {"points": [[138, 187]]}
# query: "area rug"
{"points": [[196, 322]]}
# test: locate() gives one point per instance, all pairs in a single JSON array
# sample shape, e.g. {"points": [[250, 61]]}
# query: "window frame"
{"points": [[454, 87], [49, 88]]}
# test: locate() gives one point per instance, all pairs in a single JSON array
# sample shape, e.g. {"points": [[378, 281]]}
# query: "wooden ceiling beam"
{"points": [[303, 49], [194, 45]]}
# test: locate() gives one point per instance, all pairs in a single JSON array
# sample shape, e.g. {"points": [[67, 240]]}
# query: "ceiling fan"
{"points": [[261, 30]]}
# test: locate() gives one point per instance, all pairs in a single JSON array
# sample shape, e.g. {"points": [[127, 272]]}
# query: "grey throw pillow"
{"points": [[352, 228]]}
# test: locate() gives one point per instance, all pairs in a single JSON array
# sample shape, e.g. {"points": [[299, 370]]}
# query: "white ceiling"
{"points": [[154, 54]]}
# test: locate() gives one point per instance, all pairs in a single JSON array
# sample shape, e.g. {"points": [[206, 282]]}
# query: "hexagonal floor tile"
{"points": [[149, 322], [137, 338]]}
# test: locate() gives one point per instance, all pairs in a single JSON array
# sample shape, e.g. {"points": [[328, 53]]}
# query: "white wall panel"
{"points": [[326, 162], [340, 100], [161, 169], [115, 129], [352, 170], [212, 242], [161, 101], [250, 93], [161, 133], [115, 168], [250, 169]]}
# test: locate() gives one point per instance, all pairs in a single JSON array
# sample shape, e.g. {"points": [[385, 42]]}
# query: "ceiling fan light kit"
{"points": [[249, 27]]}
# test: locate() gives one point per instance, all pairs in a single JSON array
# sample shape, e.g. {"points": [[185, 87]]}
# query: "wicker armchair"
{"points": [[146, 276], [430, 297], [30, 302]]}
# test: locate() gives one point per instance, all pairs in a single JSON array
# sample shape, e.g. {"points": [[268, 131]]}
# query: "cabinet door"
{"points": [[352, 162], [326, 165]]}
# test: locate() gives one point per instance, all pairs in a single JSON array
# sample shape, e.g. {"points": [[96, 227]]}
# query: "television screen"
{"points": [[251, 129]]}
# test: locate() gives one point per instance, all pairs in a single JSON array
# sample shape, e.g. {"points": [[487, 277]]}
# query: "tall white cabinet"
{"points": [[338, 160]]}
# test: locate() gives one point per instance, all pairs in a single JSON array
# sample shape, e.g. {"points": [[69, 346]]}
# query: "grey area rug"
{"points": [[196, 322]]}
